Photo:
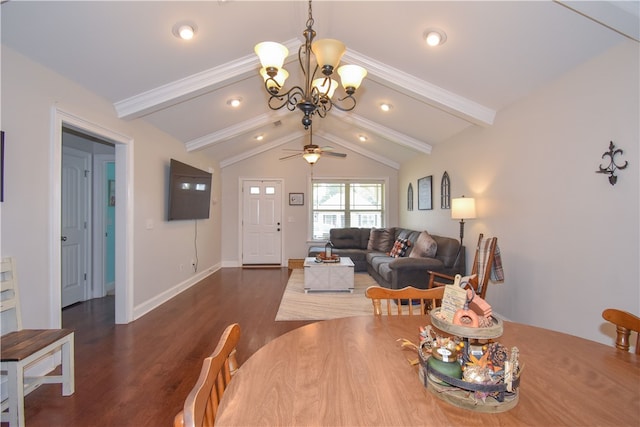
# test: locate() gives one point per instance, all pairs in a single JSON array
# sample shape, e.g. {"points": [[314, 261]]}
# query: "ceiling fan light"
{"points": [[271, 54], [351, 77], [326, 85], [311, 158], [328, 53]]}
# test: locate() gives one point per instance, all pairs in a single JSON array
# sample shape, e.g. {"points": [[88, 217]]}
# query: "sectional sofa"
{"points": [[397, 257]]}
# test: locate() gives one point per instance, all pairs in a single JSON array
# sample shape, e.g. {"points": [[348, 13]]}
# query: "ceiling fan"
{"points": [[312, 153]]}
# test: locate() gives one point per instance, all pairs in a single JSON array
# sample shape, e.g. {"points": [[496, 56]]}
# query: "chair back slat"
{"points": [[201, 405], [482, 263], [9, 297], [626, 323], [401, 302]]}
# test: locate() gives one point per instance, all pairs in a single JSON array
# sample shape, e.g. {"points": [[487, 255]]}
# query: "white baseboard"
{"points": [[158, 300]]}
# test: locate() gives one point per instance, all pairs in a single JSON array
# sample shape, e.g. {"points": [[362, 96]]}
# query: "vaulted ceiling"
{"points": [[495, 54]]}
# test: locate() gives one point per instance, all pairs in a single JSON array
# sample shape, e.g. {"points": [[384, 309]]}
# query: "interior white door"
{"points": [[262, 222], [76, 167]]}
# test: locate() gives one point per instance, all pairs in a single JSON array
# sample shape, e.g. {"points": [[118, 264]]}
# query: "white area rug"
{"points": [[296, 305]]}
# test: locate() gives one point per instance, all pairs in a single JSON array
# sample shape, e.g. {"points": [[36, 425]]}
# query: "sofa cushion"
{"points": [[342, 238], [400, 248], [381, 239], [424, 247]]}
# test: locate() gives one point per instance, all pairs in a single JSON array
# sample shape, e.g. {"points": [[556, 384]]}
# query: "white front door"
{"points": [[76, 169], [262, 222]]}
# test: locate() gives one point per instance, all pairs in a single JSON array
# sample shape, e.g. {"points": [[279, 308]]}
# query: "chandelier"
{"points": [[315, 96]]}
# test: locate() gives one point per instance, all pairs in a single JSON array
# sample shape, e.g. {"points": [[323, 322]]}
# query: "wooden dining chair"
{"points": [[625, 324], [400, 298], [483, 263], [201, 405], [22, 348]]}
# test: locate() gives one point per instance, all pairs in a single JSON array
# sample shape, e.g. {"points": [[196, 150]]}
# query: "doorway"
{"points": [[262, 222], [88, 217], [123, 213]]}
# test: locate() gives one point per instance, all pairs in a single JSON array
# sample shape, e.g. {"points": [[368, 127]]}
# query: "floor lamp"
{"points": [[463, 208]]}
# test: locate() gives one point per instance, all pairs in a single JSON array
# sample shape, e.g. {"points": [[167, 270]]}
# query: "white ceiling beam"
{"points": [[192, 86], [232, 131], [619, 16], [423, 91], [383, 131], [356, 148], [246, 66], [262, 148]]}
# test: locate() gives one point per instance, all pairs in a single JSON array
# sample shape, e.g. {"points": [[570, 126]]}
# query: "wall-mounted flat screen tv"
{"points": [[189, 192]]}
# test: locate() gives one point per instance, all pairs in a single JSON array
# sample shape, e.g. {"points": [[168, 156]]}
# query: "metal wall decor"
{"points": [[425, 200], [445, 192], [410, 197], [611, 168]]}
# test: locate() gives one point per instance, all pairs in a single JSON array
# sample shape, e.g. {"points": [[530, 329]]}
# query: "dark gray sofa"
{"points": [[390, 272]]}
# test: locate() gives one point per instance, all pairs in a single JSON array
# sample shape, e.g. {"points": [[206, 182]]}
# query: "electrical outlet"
{"points": [[181, 267]]}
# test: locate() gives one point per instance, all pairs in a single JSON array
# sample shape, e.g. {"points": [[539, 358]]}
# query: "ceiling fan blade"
{"points": [[327, 148], [331, 153], [290, 156]]}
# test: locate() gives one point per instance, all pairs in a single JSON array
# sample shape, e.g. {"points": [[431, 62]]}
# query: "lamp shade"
{"points": [[279, 78], [271, 54], [351, 76], [463, 208], [328, 52], [323, 85]]}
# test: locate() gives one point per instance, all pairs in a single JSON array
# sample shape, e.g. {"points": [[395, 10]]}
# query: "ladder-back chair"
{"points": [[201, 405], [483, 262], [625, 324], [404, 300], [22, 348]]}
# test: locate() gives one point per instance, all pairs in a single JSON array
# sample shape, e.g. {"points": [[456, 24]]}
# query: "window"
{"points": [[338, 204]]}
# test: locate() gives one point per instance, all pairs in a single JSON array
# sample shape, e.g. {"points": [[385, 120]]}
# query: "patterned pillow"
{"points": [[400, 248]]}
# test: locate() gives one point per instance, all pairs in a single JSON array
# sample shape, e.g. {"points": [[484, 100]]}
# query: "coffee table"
{"points": [[326, 276]]}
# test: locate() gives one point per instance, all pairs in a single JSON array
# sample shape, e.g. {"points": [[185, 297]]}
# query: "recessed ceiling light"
{"points": [[435, 37], [362, 138], [259, 137], [234, 102], [385, 107], [184, 30]]}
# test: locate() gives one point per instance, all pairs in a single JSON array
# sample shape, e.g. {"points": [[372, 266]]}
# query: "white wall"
{"points": [[29, 94], [296, 174], [569, 240]]}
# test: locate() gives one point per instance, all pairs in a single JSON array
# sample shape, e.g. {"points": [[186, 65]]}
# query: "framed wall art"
{"points": [[296, 199], [425, 199]]}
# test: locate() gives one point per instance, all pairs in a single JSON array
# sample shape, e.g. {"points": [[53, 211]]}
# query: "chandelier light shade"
{"points": [[314, 96], [271, 54]]}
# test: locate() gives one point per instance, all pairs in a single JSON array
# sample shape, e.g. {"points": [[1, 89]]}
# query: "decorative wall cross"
{"points": [[610, 170]]}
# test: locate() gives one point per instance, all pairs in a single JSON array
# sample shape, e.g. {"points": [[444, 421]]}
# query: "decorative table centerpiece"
{"points": [[460, 360]]}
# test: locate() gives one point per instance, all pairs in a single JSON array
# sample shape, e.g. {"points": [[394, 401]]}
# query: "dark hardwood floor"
{"points": [[139, 374]]}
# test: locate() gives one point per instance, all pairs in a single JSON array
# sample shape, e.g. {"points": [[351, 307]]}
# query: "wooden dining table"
{"points": [[353, 372]]}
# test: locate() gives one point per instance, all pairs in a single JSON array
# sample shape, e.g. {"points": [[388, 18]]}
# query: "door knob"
{"points": [[63, 238]]}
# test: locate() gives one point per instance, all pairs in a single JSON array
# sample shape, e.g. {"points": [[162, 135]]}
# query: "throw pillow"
{"points": [[400, 248], [381, 239], [425, 247]]}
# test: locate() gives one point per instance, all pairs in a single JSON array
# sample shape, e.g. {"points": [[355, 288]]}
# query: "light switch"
{"points": [[149, 224]]}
